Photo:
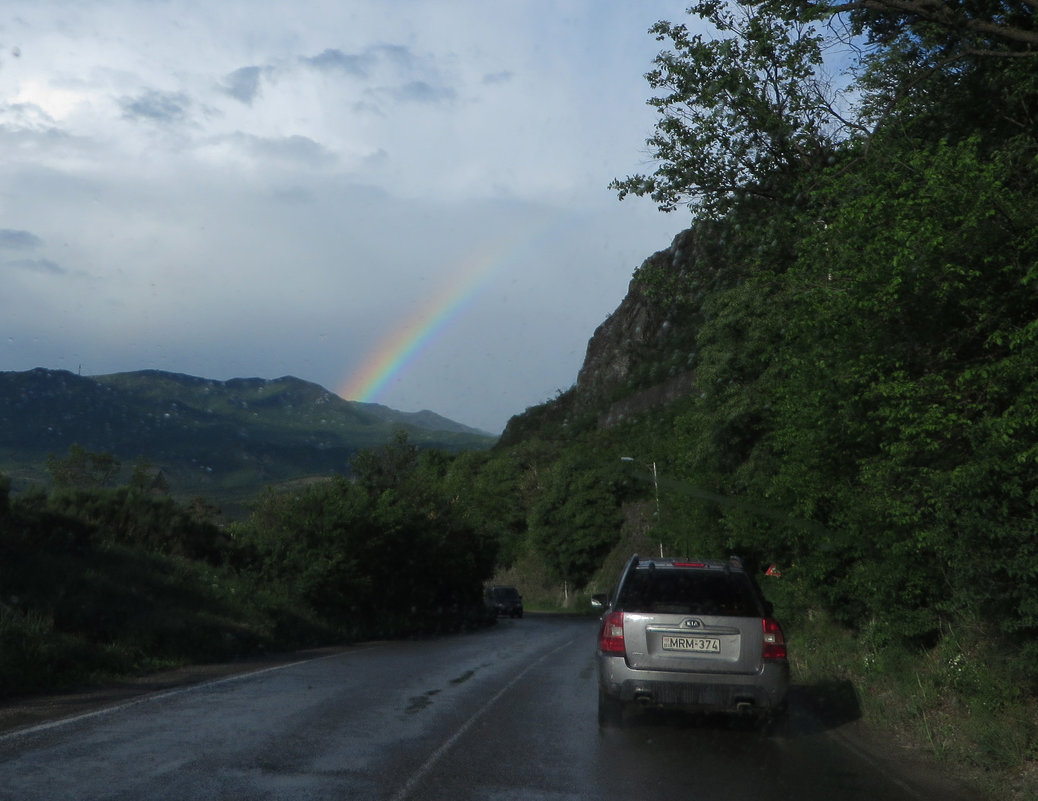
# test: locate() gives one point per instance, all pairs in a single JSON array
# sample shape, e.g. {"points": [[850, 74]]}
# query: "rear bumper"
{"points": [[760, 692]]}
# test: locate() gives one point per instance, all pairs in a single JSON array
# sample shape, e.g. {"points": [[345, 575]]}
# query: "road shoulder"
{"points": [[24, 712]]}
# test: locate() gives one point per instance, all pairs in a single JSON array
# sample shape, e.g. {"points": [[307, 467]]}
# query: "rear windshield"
{"points": [[505, 593], [683, 591]]}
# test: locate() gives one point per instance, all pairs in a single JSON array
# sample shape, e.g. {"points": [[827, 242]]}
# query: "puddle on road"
{"points": [[468, 674], [420, 702]]}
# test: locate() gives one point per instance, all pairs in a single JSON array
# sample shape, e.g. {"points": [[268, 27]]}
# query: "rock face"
{"points": [[616, 377], [643, 356]]}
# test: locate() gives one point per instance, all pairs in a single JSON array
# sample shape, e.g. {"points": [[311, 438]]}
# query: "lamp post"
{"points": [[655, 486]]}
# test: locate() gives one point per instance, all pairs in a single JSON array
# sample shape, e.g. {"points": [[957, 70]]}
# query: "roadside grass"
{"points": [[969, 700], [71, 618], [78, 608], [963, 701]]}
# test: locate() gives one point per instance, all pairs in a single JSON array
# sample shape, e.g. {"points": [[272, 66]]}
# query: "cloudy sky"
{"points": [[404, 201]]}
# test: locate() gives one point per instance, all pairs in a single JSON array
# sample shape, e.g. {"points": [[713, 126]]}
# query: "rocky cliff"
{"points": [[641, 357]]}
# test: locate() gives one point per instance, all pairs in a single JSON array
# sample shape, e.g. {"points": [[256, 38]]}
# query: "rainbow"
{"points": [[402, 346]]}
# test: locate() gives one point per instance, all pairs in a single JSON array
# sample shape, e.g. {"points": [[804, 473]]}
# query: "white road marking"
{"points": [[405, 791], [144, 699]]}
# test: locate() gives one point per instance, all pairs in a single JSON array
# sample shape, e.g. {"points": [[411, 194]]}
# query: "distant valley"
{"points": [[221, 440]]}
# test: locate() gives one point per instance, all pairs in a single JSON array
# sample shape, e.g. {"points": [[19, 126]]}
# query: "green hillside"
{"points": [[224, 440]]}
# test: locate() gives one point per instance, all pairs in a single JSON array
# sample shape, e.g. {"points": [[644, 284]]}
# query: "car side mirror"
{"points": [[599, 600]]}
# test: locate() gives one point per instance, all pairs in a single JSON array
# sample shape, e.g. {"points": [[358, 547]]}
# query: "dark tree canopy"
{"points": [[782, 89]]}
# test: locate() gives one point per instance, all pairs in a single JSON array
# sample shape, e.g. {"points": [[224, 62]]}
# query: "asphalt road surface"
{"points": [[505, 714]]}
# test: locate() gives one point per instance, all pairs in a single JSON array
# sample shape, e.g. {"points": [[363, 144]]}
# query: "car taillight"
{"points": [[774, 641], [611, 637]]}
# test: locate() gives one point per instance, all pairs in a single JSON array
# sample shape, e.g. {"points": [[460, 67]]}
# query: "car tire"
{"points": [[610, 711]]}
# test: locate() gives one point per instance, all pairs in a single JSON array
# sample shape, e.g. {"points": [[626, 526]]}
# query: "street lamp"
{"points": [[656, 488]]}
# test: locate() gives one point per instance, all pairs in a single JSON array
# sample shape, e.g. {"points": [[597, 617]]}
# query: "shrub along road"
{"points": [[505, 712]]}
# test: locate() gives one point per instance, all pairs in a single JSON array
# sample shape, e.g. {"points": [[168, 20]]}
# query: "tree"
{"points": [[384, 469], [978, 28], [82, 469], [392, 552], [576, 518], [147, 478], [739, 114], [909, 337], [487, 490]]}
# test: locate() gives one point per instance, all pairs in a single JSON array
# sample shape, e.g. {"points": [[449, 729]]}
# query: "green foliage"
{"points": [[380, 470], [390, 552], [82, 469], [865, 349], [896, 357], [128, 516], [863, 330], [556, 418], [576, 517], [100, 581], [739, 113], [78, 606], [961, 699], [487, 492]]}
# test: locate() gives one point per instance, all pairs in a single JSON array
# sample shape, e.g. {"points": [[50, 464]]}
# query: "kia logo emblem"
{"points": [[691, 623]]}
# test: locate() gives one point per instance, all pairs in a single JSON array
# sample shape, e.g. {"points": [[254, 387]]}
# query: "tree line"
{"points": [[101, 580]]}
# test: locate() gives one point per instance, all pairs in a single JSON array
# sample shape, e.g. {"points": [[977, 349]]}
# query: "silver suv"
{"points": [[693, 635]]}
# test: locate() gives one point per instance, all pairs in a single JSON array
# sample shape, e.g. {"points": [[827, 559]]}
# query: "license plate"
{"points": [[706, 645]]}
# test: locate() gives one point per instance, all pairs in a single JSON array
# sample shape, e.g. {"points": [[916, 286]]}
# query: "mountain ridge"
{"points": [[209, 437]]}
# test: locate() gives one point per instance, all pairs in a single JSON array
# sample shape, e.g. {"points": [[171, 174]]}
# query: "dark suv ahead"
{"points": [[505, 601], [693, 635]]}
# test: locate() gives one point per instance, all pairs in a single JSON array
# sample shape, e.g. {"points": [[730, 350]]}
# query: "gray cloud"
{"points": [[18, 240], [361, 64], [498, 77], [336, 60], [26, 115], [423, 92], [45, 266], [400, 61], [399, 54], [295, 149], [157, 106], [243, 84], [368, 107]]}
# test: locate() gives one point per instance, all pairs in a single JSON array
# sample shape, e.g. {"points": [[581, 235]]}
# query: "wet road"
{"points": [[507, 713]]}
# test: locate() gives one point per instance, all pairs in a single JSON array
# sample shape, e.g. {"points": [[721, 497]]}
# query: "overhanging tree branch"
{"points": [[951, 16]]}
